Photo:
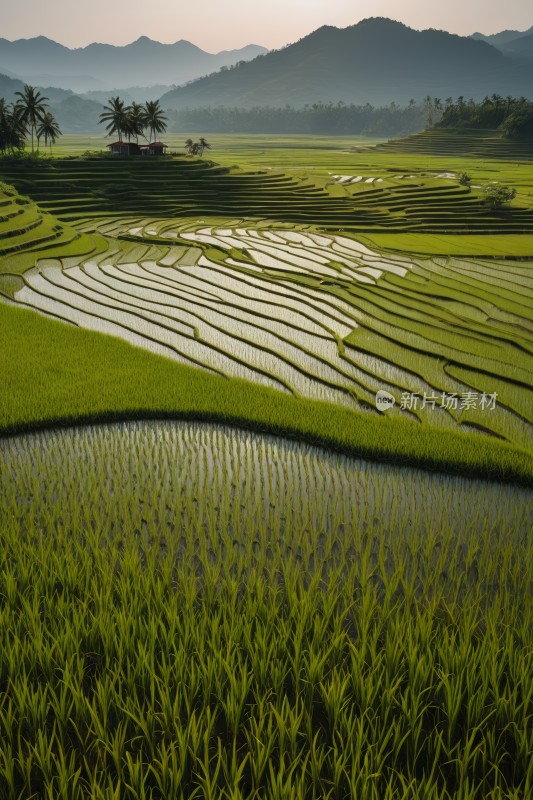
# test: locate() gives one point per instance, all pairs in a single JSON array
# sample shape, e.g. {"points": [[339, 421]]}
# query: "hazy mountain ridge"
{"points": [[516, 44], [503, 37], [144, 62], [377, 61], [74, 114], [521, 47]]}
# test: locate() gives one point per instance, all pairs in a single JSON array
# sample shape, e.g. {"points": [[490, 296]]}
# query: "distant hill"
{"points": [[74, 114], [522, 47], [376, 61], [8, 87], [502, 38], [515, 44], [104, 66], [138, 94]]}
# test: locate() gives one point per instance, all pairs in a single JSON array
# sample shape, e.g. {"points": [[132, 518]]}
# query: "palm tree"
{"points": [[189, 144], [116, 116], [154, 118], [32, 107], [203, 145], [136, 121], [12, 129], [49, 129]]}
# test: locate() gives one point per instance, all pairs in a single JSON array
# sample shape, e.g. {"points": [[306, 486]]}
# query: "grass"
{"points": [[157, 644]]}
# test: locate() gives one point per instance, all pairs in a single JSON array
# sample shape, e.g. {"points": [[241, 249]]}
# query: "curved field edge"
{"points": [[72, 376]]}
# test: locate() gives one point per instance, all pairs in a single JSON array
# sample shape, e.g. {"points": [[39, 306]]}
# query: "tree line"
{"points": [[28, 116], [512, 116], [317, 118]]}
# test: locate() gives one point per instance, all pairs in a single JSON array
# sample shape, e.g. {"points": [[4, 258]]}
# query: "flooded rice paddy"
{"points": [[171, 478]]}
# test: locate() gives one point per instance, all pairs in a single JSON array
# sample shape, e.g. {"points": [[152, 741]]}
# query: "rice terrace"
{"points": [[266, 439]]}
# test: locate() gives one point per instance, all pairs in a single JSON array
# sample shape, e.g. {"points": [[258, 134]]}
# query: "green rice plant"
{"points": [[169, 641]]}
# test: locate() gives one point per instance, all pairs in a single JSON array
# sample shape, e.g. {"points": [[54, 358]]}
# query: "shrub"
{"points": [[498, 195]]}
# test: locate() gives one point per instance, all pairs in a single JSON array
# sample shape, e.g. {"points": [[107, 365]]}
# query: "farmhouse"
{"points": [[121, 148], [155, 148]]}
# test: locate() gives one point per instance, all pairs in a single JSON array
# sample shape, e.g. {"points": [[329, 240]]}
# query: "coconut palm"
{"points": [[49, 129], [136, 121], [116, 115], [203, 145], [33, 108], [154, 119], [12, 129], [189, 144]]}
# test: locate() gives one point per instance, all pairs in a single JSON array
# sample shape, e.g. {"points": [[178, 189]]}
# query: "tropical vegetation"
{"points": [[133, 120], [513, 116], [498, 195], [197, 148], [28, 116]]}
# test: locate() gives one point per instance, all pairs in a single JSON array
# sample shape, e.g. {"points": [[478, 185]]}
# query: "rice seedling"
{"points": [[167, 631]]}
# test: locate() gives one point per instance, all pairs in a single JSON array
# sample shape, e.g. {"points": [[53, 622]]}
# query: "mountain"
{"points": [[74, 114], [377, 61], [520, 48], [8, 87], [137, 94], [104, 66], [502, 38]]}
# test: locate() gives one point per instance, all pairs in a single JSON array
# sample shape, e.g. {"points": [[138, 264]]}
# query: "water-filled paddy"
{"points": [[176, 477]]}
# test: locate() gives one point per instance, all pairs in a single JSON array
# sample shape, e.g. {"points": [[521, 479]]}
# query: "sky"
{"points": [[214, 25]]}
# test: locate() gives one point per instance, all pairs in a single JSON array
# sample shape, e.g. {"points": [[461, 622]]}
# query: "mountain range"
{"points": [[43, 62], [504, 39], [376, 61]]}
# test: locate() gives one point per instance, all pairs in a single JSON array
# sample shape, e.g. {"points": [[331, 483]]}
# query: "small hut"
{"points": [[157, 148], [121, 148]]}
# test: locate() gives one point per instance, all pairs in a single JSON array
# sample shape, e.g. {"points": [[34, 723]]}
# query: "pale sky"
{"points": [[217, 25]]}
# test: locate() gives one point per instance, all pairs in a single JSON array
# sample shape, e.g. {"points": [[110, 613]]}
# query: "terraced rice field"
{"points": [[386, 200], [469, 142], [26, 228], [190, 609], [322, 317]]}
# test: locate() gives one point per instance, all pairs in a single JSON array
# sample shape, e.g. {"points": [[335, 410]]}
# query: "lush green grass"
{"points": [[491, 245], [148, 652]]}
